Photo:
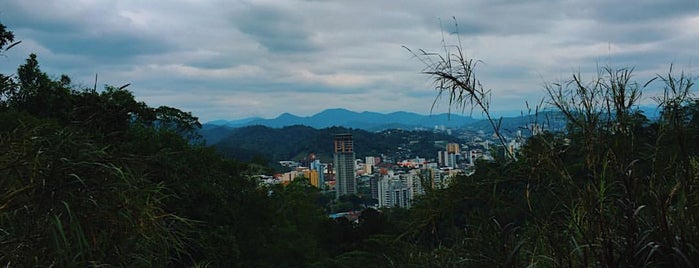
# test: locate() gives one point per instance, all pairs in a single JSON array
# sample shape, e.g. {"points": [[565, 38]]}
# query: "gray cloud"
{"points": [[276, 30], [631, 12], [233, 59], [115, 47]]}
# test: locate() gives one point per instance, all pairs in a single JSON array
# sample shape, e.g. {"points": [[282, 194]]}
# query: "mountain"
{"points": [[214, 133], [345, 118], [277, 139], [553, 121], [234, 123]]}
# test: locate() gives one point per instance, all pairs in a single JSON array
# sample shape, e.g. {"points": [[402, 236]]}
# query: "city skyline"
{"points": [[239, 59]]}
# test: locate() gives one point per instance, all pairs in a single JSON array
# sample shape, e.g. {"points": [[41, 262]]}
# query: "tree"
{"points": [[68, 201], [39, 95], [7, 85], [7, 38]]}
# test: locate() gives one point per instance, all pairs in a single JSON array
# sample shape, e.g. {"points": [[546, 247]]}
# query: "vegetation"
{"points": [[96, 178], [614, 189], [297, 142]]}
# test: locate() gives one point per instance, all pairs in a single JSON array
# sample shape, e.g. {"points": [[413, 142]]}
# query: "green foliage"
{"points": [[75, 202], [6, 37], [613, 190], [297, 142], [99, 179]]}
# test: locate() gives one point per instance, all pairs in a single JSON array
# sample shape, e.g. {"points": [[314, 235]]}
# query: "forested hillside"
{"points": [[93, 177], [297, 142]]}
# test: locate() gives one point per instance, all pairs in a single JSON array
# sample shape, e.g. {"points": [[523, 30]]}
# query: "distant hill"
{"points": [[509, 125], [292, 137], [371, 121], [297, 142], [214, 131], [234, 123]]}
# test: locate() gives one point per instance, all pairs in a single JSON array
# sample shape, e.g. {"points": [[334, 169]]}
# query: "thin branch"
{"points": [[454, 74]]}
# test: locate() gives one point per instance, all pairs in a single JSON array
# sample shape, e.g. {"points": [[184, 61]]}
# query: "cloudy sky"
{"points": [[235, 59]]}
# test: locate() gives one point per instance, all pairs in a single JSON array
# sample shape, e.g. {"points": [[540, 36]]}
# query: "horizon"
{"points": [[253, 58], [511, 114], [474, 116]]}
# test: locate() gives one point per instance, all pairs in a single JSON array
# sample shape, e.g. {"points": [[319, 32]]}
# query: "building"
{"points": [[433, 178], [369, 164], [343, 164], [313, 177], [442, 158], [474, 155], [453, 148], [372, 160], [374, 186], [290, 176], [394, 192], [450, 157], [316, 166]]}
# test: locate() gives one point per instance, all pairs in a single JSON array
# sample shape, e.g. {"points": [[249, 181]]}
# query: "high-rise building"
{"points": [[318, 167], [453, 148], [369, 164], [452, 154], [374, 186], [393, 191], [442, 158], [452, 160], [343, 163]]}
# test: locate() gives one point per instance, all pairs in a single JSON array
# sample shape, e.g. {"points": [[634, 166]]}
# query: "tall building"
{"points": [[369, 164], [343, 162], [318, 168], [451, 157], [453, 148], [374, 186], [442, 158], [394, 192]]}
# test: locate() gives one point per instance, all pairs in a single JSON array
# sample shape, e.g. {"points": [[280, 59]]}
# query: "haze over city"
{"points": [[237, 59]]}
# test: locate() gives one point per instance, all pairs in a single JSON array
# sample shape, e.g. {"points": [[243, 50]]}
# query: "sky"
{"points": [[236, 59]]}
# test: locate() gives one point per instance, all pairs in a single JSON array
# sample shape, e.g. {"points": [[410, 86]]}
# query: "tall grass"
{"points": [[614, 189], [77, 205]]}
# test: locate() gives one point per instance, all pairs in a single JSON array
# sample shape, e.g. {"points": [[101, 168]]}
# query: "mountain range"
{"points": [[290, 137], [371, 121], [215, 131]]}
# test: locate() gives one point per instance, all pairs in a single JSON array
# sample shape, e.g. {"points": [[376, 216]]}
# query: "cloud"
{"points": [[276, 30], [233, 59]]}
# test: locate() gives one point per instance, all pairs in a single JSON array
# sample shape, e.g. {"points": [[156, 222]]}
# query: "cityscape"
{"points": [[387, 181]]}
